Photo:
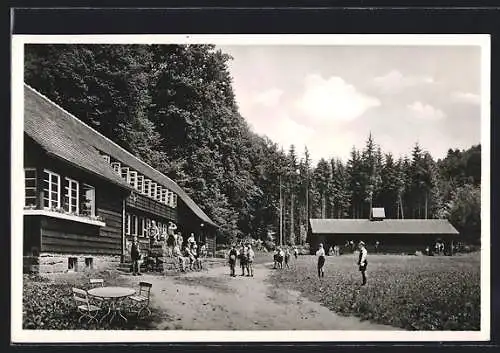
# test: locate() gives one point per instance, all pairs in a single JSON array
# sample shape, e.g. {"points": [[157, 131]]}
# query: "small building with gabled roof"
{"points": [[86, 197], [392, 235]]}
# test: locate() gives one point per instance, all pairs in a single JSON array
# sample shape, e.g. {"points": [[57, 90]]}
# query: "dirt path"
{"points": [[212, 300]]}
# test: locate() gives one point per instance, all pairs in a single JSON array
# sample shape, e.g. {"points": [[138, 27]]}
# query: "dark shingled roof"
{"points": [[64, 136], [387, 226]]}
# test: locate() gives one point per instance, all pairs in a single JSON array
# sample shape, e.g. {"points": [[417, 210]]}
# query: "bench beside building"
{"points": [[86, 197]]}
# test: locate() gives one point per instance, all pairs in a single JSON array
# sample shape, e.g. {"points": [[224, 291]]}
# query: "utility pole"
{"points": [[307, 203], [281, 214]]}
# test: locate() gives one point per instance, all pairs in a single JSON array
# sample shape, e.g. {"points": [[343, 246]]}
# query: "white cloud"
{"points": [[394, 81], [466, 97], [425, 111], [268, 98], [332, 99], [280, 128]]}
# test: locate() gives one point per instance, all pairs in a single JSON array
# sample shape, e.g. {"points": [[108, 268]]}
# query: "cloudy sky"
{"points": [[329, 98]]}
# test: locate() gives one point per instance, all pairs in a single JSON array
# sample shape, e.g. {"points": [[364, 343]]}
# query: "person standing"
{"points": [[232, 260], [287, 257], [250, 258], [135, 254], [295, 252], [321, 261], [243, 259], [363, 261]]}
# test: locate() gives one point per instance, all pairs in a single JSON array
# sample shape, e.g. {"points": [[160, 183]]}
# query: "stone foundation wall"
{"points": [[53, 263]]}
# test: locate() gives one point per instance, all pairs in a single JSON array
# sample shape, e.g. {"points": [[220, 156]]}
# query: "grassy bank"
{"points": [[410, 292]]}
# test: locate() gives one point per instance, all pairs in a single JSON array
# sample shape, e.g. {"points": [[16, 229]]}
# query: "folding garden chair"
{"points": [[141, 300], [83, 305], [97, 282]]}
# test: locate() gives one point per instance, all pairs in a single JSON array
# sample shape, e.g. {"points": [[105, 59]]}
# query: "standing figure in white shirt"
{"points": [[321, 261], [363, 262]]}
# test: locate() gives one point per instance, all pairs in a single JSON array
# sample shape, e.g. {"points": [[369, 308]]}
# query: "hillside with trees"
{"points": [[174, 107]]}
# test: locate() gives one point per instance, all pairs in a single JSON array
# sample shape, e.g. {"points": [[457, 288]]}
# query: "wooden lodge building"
{"points": [[393, 235], [86, 197]]}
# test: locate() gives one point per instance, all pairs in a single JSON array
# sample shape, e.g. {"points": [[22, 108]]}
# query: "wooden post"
{"points": [[124, 243]]}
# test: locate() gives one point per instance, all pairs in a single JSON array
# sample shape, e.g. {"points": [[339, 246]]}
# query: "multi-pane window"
{"points": [[170, 200], [133, 178], [152, 192], [127, 224], [133, 225], [147, 225], [106, 158], [164, 195], [147, 186], [71, 195], [29, 187], [140, 183], [158, 193], [51, 189], [125, 174], [140, 226], [174, 201], [117, 167], [87, 200]]}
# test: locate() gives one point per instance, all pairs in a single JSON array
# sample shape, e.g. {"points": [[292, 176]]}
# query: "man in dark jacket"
{"points": [[136, 256]]}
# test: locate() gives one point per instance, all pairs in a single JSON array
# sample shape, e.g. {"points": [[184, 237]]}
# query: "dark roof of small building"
{"points": [[387, 226], [63, 135], [378, 212]]}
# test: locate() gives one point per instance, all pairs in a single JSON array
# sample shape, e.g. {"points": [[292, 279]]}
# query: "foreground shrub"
{"points": [[410, 292]]}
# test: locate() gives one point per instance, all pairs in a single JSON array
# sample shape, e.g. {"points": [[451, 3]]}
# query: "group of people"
{"points": [[188, 255], [362, 261], [245, 255], [283, 254], [191, 256]]}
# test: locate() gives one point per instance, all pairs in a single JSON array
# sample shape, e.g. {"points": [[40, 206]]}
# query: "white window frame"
{"points": [[152, 191], [170, 199], [164, 196], [140, 226], [125, 174], [134, 220], [117, 167], [147, 187], [133, 178], [174, 203], [106, 158], [145, 226], [93, 205], [127, 223], [50, 191], [67, 193], [140, 183], [30, 187], [158, 193]]}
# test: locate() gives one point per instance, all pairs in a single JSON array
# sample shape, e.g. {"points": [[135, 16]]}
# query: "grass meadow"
{"points": [[410, 292]]}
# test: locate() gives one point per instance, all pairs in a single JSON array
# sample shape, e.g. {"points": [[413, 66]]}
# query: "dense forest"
{"points": [[173, 106]]}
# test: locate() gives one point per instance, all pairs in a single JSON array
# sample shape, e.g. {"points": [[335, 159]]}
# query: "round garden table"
{"points": [[114, 295]]}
